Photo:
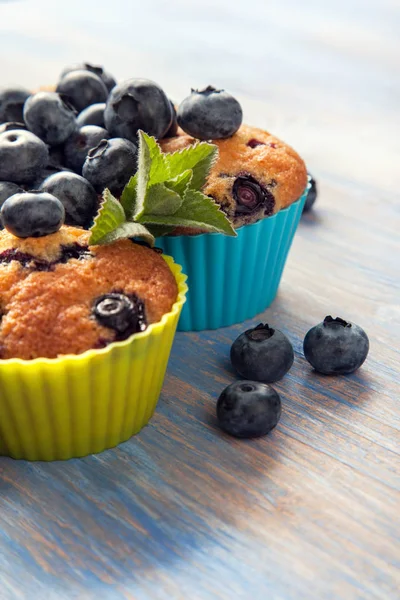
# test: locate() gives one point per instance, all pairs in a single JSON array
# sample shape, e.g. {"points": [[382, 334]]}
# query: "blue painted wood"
{"points": [[181, 510]]}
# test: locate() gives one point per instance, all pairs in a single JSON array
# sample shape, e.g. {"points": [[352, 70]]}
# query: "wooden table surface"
{"points": [[183, 511]]}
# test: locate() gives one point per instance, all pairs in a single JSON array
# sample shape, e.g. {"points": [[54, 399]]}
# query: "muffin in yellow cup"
{"points": [[71, 382]]}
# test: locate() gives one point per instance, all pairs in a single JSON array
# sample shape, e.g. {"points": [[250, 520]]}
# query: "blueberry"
{"points": [[76, 194], [248, 409], [210, 114], [254, 143], [262, 353], [22, 156], [107, 79], [110, 165], [50, 116], [56, 156], [11, 125], [311, 195], [121, 312], [82, 88], [12, 104], [32, 214], [80, 142], [50, 169], [336, 347], [251, 196], [92, 115], [55, 164], [173, 130], [7, 189], [137, 104]]}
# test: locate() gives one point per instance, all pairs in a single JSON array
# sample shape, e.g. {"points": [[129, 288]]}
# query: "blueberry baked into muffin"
{"points": [[60, 296], [255, 175]]}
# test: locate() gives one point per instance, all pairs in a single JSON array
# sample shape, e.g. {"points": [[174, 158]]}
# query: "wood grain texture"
{"points": [[182, 511]]}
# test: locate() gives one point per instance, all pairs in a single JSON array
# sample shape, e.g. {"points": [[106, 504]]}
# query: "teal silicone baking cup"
{"points": [[232, 279]]}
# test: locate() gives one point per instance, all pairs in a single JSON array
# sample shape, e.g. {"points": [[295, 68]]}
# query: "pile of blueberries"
{"points": [[72, 143], [251, 408]]}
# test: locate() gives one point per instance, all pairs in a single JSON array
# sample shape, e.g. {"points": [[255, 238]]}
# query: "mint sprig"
{"points": [[165, 193], [109, 216], [110, 224]]}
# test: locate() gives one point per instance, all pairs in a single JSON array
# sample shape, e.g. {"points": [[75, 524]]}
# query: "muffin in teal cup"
{"points": [[261, 185]]}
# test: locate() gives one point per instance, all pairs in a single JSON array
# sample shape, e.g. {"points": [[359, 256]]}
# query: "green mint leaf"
{"points": [[160, 200], [159, 169], [203, 209], [199, 212], [109, 216], [128, 230], [165, 192], [165, 198], [200, 158], [143, 174], [180, 183], [152, 169], [129, 197]]}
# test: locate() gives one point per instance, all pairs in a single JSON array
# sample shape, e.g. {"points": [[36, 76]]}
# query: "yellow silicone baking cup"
{"points": [[71, 406]]}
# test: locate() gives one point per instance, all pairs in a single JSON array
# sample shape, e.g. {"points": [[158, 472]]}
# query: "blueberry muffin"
{"points": [[59, 296], [255, 176]]}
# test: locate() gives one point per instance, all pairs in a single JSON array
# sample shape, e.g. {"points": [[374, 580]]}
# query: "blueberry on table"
{"points": [[248, 409], [123, 313], [9, 125], [32, 214], [110, 165], [76, 194], [336, 346], [22, 156], [50, 116], [77, 146], [311, 195], [210, 114], [12, 102], [262, 354], [137, 104], [92, 115], [107, 79], [82, 88]]}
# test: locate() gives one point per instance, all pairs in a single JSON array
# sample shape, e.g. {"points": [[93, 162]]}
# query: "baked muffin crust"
{"points": [[252, 155], [48, 286]]}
